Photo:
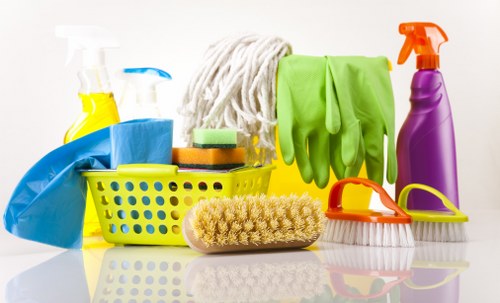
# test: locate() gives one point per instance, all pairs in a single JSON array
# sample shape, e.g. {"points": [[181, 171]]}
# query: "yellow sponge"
{"points": [[208, 158]]}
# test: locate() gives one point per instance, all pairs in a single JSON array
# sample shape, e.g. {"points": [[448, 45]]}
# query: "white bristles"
{"points": [[439, 231], [367, 257], [264, 282], [441, 252], [368, 234]]}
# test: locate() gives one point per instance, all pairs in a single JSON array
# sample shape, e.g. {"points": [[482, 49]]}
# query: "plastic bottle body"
{"points": [[426, 143], [99, 106]]}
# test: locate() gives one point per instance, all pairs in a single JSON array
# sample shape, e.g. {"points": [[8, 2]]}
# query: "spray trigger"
{"points": [[425, 39]]}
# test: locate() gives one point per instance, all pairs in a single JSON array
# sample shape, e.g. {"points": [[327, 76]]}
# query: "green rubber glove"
{"points": [[308, 114], [365, 84]]}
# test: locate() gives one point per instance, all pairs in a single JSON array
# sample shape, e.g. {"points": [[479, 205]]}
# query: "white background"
{"points": [[39, 93]]}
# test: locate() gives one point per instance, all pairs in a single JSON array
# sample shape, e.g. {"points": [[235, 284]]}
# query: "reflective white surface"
{"points": [[464, 272]]}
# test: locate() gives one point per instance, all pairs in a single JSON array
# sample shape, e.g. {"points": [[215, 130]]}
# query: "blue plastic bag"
{"points": [[48, 204]]}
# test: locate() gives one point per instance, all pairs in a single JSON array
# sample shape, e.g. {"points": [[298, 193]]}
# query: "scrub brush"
{"points": [[433, 225], [364, 226], [253, 222]]}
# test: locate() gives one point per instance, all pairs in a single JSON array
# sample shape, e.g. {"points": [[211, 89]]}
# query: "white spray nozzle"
{"points": [[92, 40], [145, 79]]}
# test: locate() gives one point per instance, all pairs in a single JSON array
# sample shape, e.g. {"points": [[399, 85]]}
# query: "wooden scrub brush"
{"points": [[253, 222]]}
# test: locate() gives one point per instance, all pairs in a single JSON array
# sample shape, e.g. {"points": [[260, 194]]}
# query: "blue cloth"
{"points": [[148, 141], [48, 204]]}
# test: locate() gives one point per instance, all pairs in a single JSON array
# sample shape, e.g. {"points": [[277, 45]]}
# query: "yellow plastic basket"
{"points": [[145, 203]]}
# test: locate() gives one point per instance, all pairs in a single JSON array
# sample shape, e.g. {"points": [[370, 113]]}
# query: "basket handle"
{"points": [[147, 170]]}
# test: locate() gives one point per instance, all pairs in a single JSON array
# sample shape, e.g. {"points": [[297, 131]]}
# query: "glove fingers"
{"points": [[285, 118], [319, 158], [351, 137], [305, 168], [332, 118], [336, 162], [353, 171], [374, 144], [392, 162]]}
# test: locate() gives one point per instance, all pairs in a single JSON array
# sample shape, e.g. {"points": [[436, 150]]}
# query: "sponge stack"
{"points": [[215, 138], [214, 149]]}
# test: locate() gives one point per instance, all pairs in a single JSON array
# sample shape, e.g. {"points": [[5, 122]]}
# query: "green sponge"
{"points": [[215, 138]]}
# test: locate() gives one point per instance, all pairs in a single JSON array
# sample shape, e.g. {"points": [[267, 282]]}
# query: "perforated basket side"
{"points": [[148, 209], [143, 274]]}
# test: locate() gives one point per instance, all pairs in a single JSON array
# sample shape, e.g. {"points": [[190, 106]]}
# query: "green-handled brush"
{"points": [[433, 225]]}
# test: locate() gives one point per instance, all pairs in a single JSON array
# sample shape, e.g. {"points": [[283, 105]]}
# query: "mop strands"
{"points": [[433, 225], [364, 226], [235, 88]]}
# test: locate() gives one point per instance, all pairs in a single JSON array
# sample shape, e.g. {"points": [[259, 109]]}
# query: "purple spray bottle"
{"points": [[426, 142]]}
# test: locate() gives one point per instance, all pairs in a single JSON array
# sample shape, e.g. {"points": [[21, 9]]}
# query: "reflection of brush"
{"points": [[435, 273], [253, 223], [434, 225], [366, 227], [365, 272], [257, 278]]}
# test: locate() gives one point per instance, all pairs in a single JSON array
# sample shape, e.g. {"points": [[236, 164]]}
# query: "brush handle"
{"points": [[403, 197], [335, 200]]}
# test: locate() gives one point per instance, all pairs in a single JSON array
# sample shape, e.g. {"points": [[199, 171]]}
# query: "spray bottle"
{"points": [[99, 107], [426, 142], [144, 80]]}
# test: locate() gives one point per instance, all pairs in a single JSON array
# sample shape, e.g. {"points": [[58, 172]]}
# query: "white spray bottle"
{"points": [[144, 80], [99, 106]]}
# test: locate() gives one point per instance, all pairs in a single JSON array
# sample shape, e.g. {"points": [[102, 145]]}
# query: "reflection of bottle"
{"points": [[99, 107], [435, 274], [426, 141], [144, 81]]}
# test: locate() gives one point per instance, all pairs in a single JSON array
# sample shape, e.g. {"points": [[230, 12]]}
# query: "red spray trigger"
{"points": [[424, 38]]}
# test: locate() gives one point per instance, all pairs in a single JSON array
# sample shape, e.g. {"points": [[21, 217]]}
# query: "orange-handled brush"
{"points": [[365, 226]]}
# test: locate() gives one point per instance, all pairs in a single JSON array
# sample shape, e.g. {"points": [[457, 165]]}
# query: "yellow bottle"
{"points": [[99, 106], [99, 111]]}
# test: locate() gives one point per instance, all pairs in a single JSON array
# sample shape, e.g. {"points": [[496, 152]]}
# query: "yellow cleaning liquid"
{"points": [[99, 111]]}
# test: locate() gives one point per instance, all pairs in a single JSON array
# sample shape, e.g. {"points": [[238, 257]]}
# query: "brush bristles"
{"points": [[441, 252], [368, 234], [439, 231], [257, 220], [259, 282], [367, 257]]}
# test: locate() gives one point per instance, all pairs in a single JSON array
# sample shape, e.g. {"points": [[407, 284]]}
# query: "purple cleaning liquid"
{"points": [[426, 144]]}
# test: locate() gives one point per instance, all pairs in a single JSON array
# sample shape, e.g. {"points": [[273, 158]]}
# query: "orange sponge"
{"points": [[208, 158]]}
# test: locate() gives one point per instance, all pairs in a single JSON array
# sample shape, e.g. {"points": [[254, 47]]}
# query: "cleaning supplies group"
{"points": [[333, 112]]}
